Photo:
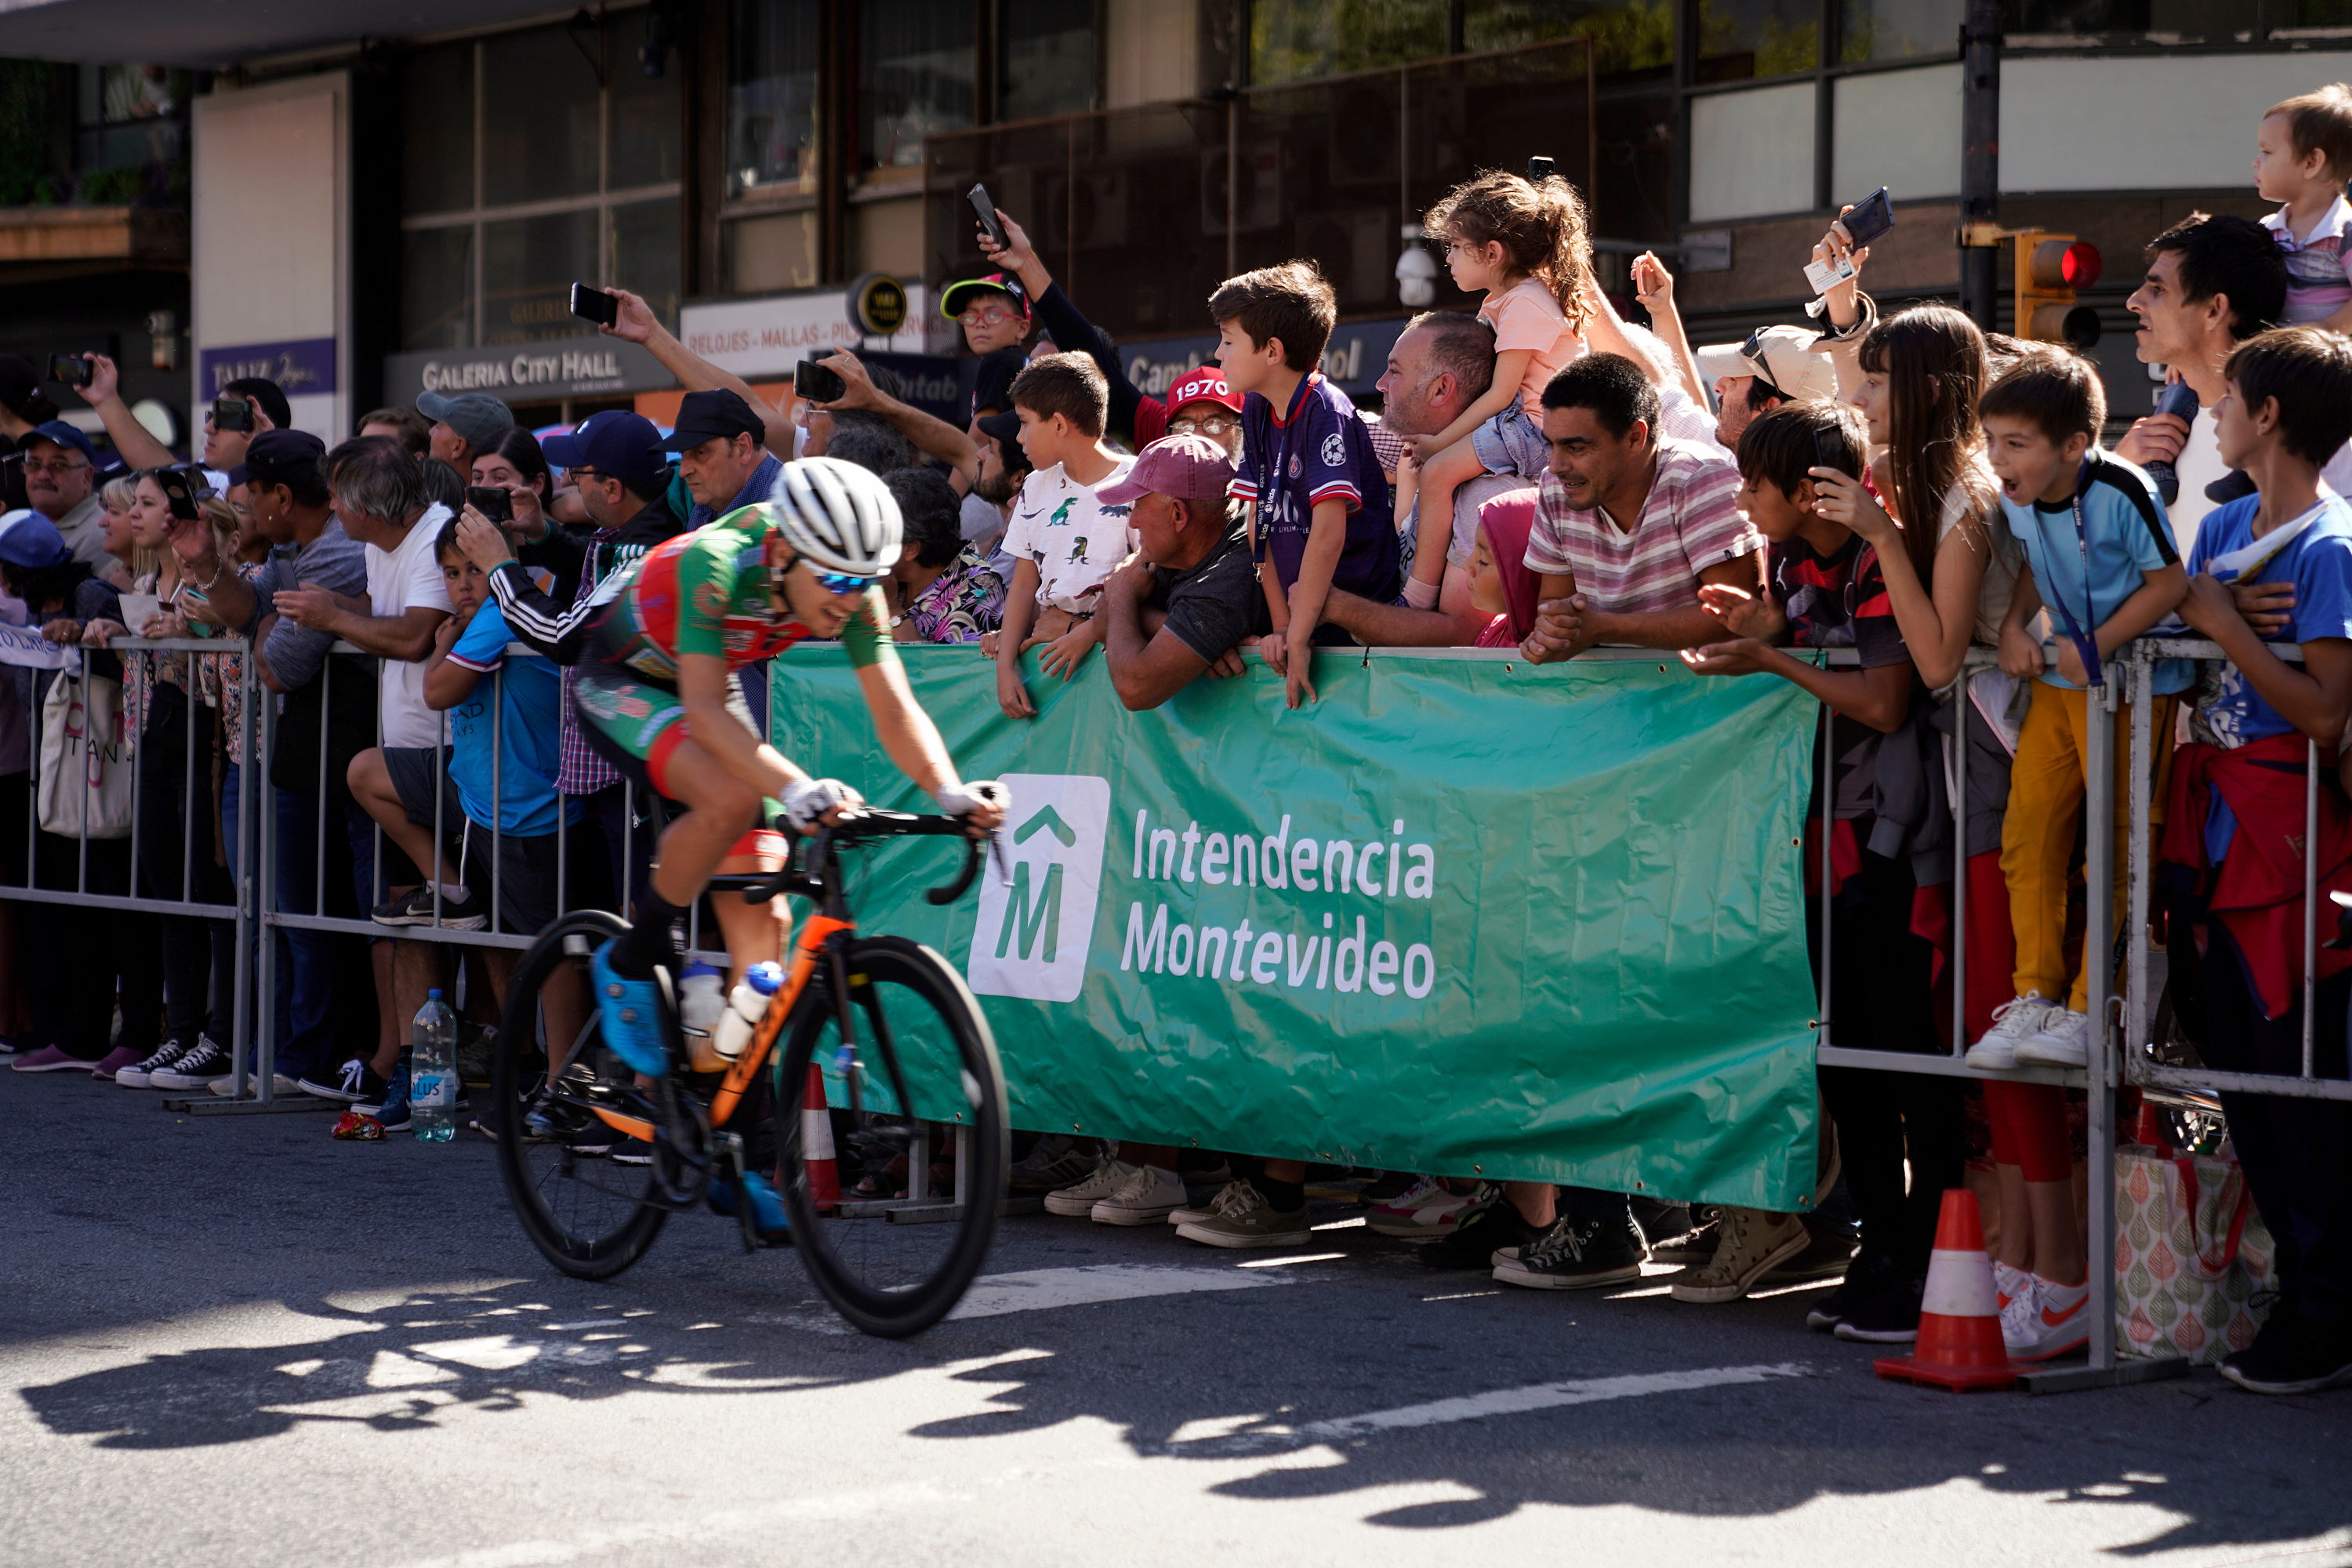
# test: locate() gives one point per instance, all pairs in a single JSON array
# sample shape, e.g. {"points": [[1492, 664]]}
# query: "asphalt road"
{"points": [[237, 1342]]}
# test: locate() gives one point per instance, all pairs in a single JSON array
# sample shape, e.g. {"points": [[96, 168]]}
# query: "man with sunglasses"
{"points": [[659, 696], [1775, 365]]}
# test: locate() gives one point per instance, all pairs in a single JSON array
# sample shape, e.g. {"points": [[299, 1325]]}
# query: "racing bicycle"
{"points": [[882, 1028]]}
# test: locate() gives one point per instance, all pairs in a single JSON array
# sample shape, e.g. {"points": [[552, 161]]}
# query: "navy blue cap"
{"points": [[60, 433], [281, 458], [626, 445], [718, 415]]}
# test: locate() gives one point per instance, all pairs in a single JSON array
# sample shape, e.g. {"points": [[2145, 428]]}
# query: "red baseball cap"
{"points": [[1203, 384], [1189, 467]]}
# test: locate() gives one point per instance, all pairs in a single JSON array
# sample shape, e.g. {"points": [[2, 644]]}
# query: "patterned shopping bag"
{"points": [[2191, 1255]]}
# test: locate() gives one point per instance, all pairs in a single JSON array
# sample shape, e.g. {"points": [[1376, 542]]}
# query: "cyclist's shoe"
{"points": [[768, 1216], [631, 1014], [548, 1120]]}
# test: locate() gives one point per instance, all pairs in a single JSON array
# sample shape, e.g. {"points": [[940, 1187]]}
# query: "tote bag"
{"points": [[2191, 1256], [85, 759]]}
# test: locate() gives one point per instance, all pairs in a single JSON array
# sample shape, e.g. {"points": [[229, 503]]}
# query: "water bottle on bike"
{"points": [[433, 1072]]}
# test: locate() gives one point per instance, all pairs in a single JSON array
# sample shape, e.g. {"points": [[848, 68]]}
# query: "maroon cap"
{"points": [[1203, 384], [1189, 467]]}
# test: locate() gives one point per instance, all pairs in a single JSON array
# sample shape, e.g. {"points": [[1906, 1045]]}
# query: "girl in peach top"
{"points": [[1526, 248]]}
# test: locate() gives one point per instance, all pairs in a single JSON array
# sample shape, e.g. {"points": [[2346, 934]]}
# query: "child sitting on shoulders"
{"points": [[1525, 247], [2303, 155]]}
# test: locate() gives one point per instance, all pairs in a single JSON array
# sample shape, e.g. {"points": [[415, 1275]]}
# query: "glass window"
{"points": [[528, 265], [1738, 38], [771, 94], [540, 117], [436, 288], [915, 76], [437, 113], [645, 252], [1627, 35], [765, 255], [645, 114], [1293, 40], [1900, 29], [2074, 15], [1049, 58], [2285, 15]]}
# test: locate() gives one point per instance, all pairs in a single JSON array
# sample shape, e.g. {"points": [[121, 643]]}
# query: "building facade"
{"points": [[370, 216]]}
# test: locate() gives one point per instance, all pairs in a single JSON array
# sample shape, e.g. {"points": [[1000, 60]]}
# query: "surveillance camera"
{"points": [[1416, 276]]}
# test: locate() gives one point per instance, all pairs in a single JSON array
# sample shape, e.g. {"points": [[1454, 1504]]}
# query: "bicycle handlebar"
{"points": [[860, 826]]}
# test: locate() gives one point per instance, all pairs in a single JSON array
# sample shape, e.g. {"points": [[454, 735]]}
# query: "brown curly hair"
{"points": [[1542, 227]]}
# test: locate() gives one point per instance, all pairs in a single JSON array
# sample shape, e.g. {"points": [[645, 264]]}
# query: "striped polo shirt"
{"points": [[1690, 522]]}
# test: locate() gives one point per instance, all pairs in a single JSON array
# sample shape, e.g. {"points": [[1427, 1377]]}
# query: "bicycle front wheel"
{"points": [[588, 1214], [917, 1102]]}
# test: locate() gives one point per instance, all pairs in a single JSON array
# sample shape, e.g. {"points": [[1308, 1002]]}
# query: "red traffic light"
{"points": [[2080, 266]]}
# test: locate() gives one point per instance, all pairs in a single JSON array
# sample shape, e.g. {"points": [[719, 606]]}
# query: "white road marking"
{"points": [[1542, 1396], [1035, 1290], [1298, 1257]]}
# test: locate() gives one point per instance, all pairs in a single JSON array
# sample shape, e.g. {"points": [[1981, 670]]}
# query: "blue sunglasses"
{"points": [[841, 583]]}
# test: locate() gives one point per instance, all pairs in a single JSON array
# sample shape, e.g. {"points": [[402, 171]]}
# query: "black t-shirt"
{"points": [[1218, 602], [994, 387]]}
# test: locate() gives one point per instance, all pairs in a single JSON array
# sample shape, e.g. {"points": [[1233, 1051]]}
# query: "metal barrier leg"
{"points": [[2102, 1369]]}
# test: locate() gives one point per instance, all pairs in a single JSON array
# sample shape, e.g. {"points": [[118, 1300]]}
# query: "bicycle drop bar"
{"points": [[803, 872]]}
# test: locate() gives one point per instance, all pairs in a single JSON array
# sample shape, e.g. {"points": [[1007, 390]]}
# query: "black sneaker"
{"points": [[1829, 1250], [1481, 1234], [139, 1074], [1693, 1246], [1059, 1161], [1889, 1318], [1865, 1277], [2292, 1355], [1576, 1254], [353, 1082], [415, 908], [196, 1068], [1388, 1184]]}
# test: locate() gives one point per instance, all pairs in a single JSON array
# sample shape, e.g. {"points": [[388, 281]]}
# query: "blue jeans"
{"points": [[305, 1034]]}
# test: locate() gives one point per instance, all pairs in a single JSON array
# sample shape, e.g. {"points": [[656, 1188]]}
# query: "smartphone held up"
{"points": [[69, 370], [817, 382], [595, 305], [493, 502]]}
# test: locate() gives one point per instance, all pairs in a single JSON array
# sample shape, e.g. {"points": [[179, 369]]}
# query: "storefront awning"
{"points": [[214, 33]]}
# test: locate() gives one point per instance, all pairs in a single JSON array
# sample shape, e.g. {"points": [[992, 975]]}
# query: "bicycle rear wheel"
{"points": [[926, 1072], [588, 1215]]}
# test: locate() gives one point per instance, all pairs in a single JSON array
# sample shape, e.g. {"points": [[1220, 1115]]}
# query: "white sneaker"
{"points": [[2065, 1041], [2045, 1321], [1751, 1244], [2013, 1021], [1077, 1202], [2009, 1283], [1426, 1212], [1144, 1198], [1196, 1214]]}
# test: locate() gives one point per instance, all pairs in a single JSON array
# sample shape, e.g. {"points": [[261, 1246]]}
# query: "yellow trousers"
{"points": [[2047, 784]]}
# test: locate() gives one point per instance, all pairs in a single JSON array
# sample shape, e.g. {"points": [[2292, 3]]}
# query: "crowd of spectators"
{"points": [[1541, 477]]}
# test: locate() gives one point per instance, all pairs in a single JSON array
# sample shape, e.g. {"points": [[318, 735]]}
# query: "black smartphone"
{"points": [[70, 370], [491, 502], [232, 413], [1830, 451], [180, 486], [816, 384], [1872, 217], [1538, 171], [985, 211], [595, 305]]}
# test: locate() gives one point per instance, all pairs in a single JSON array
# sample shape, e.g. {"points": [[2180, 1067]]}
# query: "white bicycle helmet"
{"points": [[837, 517]]}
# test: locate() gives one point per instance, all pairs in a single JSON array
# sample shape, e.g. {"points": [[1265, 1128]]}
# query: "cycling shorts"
{"points": [[637, 723]]}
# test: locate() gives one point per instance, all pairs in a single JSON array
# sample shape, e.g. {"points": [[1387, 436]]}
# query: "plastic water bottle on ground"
{"points": [[433, 1072], [745, 1008]]}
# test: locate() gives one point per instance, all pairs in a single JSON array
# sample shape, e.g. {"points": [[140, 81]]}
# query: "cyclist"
{"points": [[658, 696]]}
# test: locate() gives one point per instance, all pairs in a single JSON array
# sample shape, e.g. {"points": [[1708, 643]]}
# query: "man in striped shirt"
{"points": [[1632, 523]]}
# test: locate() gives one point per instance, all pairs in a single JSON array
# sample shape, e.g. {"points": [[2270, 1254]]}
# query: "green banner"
{"points": [[1463, 915]]}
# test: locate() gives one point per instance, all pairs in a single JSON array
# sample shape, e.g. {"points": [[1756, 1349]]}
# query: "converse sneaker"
{"points": [[2014, 1020], [1424, 1212], [415, 908], [1195, 1213], [2044, 1319], [1575, 1255], [353, 1081], [1490, 1227], [1752, 1243], [1696, 1245], [1244, 1219], [1144, 1198], [2292, 1355], [1077, 1202], [196, 1069], [2064, 1041], [138, 1074], [1059, 1159]]}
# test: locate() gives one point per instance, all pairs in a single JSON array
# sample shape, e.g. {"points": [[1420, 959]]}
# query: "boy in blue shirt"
{"points": [[1319, 504], [2100, 556], [2238, 824]]}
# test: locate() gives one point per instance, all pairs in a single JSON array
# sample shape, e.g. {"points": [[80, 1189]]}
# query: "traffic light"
{"points": [[2050, 269]]}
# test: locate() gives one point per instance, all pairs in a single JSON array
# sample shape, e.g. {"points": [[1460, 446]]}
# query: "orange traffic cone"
{"points": [[1960, 1345], [816, 1144]]}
